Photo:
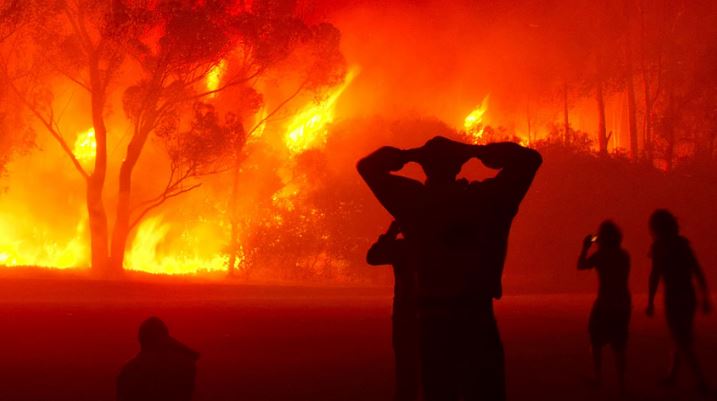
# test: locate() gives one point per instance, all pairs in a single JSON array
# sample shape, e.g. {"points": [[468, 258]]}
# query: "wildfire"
{"points": [[260, 124], [307, 130], [473, 123], [21, 246], [85, 147], [151, 253], [214, 76]]}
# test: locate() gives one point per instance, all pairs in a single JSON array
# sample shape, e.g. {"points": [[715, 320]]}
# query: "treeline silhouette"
{"points": [[575, 188]]}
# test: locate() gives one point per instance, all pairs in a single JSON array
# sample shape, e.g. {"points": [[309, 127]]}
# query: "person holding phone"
{"points": [[610, 315]]}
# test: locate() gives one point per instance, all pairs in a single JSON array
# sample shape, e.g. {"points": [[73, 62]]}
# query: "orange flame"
{"points": [[308, 129], [214, 76], [473, 123], [25, 245], [149, 251]]}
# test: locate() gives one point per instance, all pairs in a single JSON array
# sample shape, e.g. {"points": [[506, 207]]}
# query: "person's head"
{"points": [[609, 235], [441, 160], [153, 334], [663, 224]]}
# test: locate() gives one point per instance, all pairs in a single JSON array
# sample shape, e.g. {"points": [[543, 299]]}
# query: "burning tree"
{"points": [[185, 54], [230, 46], [83, 43]]}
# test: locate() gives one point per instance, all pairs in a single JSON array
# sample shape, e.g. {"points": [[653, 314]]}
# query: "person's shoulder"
{"points": [[683, 241], [184, 356], [656, 247], [130, 371]]}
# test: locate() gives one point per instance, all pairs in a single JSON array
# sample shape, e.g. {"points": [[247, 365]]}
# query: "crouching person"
{"points": [[164, 369]]}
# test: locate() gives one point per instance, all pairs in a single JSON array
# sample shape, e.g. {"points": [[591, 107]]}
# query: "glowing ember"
{"points": [[473, 123], [85, 147], [214, 76], [307, 130]]}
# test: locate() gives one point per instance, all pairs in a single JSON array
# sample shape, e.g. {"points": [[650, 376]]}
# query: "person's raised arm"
{"points": [[383, 251], [517, 165], [584, 262], [397, 194]]}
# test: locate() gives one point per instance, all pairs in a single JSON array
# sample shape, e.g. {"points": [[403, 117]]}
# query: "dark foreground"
{"points": [[66, 340]]}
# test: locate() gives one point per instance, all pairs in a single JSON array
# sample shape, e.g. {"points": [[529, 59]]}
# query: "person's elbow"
{"points": [[533, 158], [381, 161], [365, 167], [373, 257]]}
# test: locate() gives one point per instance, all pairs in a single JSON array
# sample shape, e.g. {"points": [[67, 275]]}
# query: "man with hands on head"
{"points": [[459, 231]]}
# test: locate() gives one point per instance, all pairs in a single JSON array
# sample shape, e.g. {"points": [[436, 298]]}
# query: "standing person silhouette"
{"points": [[164, 368], [458, 231], [610, 315], [674, 263], [394, 251]]}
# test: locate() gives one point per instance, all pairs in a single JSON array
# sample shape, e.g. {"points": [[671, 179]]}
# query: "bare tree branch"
{"points": [[51, 126], [159, 202]]}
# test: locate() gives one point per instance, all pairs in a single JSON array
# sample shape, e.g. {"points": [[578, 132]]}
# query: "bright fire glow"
{"points": [[85, 147], [151, 252], [473, 123], [214, 76], [308, 128], [25, 245]]}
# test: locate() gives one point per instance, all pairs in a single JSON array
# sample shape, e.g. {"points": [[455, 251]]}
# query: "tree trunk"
{"points": [[669, 132], [631, 107], [98, 225], [566, 121], [97, 217], [234, 220], [120, 233], [602, 130], [647, 121]]}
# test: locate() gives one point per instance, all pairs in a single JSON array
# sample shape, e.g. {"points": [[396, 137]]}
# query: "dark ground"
{"points": [[66, 340]]}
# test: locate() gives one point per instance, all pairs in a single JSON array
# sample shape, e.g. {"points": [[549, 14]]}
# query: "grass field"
{"points": [[67, 339]]}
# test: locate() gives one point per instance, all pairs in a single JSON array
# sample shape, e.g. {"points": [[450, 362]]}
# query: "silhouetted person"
{"points": [[394, 251], [164, 369], [674, 263], [459, 231], [610, 316]]}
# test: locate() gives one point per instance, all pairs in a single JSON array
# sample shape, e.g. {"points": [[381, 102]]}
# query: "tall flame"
{"points": [[307, 130], [20, 246], [473, 123], [146, 252]]}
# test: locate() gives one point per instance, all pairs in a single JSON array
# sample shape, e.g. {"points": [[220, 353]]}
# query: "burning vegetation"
{"points": [[180, 137]]}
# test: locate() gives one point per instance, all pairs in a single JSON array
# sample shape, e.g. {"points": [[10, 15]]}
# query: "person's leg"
{"points": [[405, 348], [596, 350], [680, 319], [673, 371], [618, 342], [597, 332], [620, 365], [438, 372], [687, 353], [484, 363]]}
